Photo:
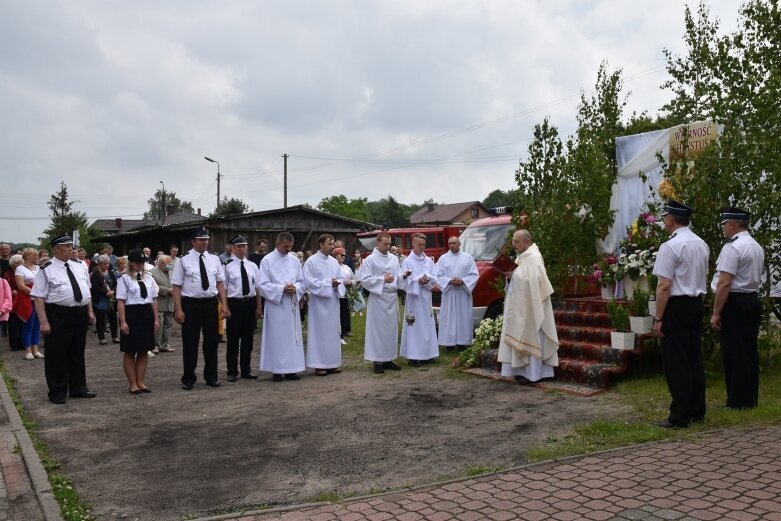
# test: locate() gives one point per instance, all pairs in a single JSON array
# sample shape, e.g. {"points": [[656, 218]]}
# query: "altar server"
{"points": [[457, 275]]}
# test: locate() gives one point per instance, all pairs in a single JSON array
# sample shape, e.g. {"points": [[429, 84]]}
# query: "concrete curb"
{"points": [[38, 476]]}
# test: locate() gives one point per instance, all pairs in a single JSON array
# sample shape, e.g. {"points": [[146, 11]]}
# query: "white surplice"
{"points": [[455, 315], [419, 339], [382, 310], [281, 345], [323, 345], [529, 343]]}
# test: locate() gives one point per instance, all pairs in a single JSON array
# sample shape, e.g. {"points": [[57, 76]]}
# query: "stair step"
{"points": [[596, 335], [600, 353], [586, 372], [584, 304], [581, 318]]}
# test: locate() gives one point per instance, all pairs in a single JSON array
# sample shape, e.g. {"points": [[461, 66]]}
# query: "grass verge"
{"points": [[71, 507]]}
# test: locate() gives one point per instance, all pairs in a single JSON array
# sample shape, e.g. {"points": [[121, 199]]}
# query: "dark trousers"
{"points": [[200, 315], [64, 362], [740, 320], [344, 316], [241, 330], [15, 332], [103, 316], [682, 354]]}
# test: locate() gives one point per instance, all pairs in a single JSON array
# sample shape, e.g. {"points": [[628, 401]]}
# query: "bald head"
{"points": [[522, 239]]}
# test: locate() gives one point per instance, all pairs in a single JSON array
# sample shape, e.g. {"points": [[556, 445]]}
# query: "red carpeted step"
{"points": [[582, 304], [595, 335], [587, 351], [586, 372], [581, 318]]}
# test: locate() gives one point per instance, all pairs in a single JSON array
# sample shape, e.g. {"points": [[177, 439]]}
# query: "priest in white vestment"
{"points": [[419, 338], [528, 347], [323, 279], [457, 276], [379, 276], [281, 282]]}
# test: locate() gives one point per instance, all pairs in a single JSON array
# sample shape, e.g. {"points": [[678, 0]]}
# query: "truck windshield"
{"points": [[485, 242], [366, 243]]}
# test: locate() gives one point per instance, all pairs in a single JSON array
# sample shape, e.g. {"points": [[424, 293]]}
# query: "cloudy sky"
{"points": [[413, 98]]}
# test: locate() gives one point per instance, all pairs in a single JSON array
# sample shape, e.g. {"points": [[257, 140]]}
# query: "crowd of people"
{"points": [[137, 300]]}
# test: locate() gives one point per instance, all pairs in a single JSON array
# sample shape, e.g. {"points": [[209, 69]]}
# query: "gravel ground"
{"points": [[172, 453]]}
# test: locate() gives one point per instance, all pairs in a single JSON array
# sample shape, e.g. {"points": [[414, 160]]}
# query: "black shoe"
{"points": [[145, 390], [88, 394], [58, 400], [215, 383], [415, 363], [391, 365], [292, 376], [221, 340], [277, 378], [249, 376], [667, 424], [187, 387], [231, 377], [378, 368]]}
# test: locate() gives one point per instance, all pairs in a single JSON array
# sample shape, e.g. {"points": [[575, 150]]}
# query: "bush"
{"points": [[619, 316], [638, 306]]}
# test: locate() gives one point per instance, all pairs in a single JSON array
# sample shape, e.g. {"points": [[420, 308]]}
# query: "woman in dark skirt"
{"points": [[137, 307]]}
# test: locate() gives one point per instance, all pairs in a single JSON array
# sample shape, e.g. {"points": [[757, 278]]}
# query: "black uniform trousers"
{"points": [[64, 362], [241, 330], [683, 361], [740, 320], [200, 315]]}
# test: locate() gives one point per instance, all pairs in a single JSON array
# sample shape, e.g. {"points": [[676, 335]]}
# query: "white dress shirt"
{"points": [[683, 259], [129, 290], [232, 270], [187, 274], [744, 259], [54, 287]]}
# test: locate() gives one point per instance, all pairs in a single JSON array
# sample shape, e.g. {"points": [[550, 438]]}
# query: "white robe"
{"points": [[455, 315], [323, 346], [281, 345], [529, 343], [418, 340], [382, 311]]}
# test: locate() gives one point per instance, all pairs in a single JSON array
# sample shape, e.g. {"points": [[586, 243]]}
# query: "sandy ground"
{"points": [[174, 453]]}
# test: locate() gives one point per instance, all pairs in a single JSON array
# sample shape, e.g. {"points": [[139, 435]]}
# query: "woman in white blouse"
{"points": [[137, 308], [25, 276]]}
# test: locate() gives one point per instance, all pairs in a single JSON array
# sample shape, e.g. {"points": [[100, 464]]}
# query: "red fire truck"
{"points": [[436, 239]]}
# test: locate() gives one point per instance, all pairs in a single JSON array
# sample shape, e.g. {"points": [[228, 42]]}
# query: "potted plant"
{"points": [[640, 321], [621, 337], [653, 280], [603, 276]]}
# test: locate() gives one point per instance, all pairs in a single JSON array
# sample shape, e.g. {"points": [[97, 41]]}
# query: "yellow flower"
{"points": [[666, 190]]}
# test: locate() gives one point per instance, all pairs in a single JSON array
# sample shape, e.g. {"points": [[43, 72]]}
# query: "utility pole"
{"points": [[165, 210], [218, 180], [285, 185]]}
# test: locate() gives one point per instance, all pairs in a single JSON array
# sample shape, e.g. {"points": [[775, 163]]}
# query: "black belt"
{"points": [[63, 307], [686, 297], [241, 299], [202, 299]]}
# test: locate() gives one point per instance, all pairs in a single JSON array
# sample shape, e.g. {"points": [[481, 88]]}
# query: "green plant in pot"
{"points": [[640, 320], [621, 337]]}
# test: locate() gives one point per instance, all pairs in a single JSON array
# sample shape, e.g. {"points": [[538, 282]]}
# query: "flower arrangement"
{"points": [[640, 246], [487, 336], [606, 271]]}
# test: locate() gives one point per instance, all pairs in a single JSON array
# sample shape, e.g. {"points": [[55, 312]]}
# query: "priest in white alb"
{"points": [[281, 282], [418, 337], [457, 276], [379, 276], [323, 280], [528, 347]]}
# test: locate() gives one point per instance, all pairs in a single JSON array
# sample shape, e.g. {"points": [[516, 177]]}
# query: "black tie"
{"points": [[141, 286], [204, 276], [77, 296], [244, 280]]}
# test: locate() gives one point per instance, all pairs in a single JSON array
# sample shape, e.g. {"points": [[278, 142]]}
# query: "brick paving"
{"points": [[732, 474]]}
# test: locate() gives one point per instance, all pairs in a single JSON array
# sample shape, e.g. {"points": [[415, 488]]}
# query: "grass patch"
{"points": [[324, 497], [649, 401], [72, 508], [476, 470]]}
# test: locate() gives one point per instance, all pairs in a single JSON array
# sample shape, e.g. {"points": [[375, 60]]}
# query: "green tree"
{"points": [[501, 198], [162, 199], [64, 219], [341, 205], [229, 207]]}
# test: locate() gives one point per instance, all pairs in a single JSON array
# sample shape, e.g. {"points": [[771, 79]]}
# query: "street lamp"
{"points": [[218, 177]]}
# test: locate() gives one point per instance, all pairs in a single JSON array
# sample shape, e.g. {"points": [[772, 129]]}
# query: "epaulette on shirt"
{"points": [[225, 263], [735, 238], [672, 236], [46, 265]]}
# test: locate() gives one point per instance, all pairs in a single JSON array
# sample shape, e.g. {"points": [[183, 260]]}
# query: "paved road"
{"points": [[730, 474]]}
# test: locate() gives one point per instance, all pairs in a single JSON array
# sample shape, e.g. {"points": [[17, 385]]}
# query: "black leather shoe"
{"points": [[58, 400], [522, 380], [88, 394], [215, 383], [392, 366], [666, 424], [187, 387], [378, 368], [250, 376], [277, 378], [292, 376], [415, 363], [231, 377]]}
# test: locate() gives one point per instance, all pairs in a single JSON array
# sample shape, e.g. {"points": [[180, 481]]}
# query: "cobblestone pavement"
{"points": [[732, 474]]}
